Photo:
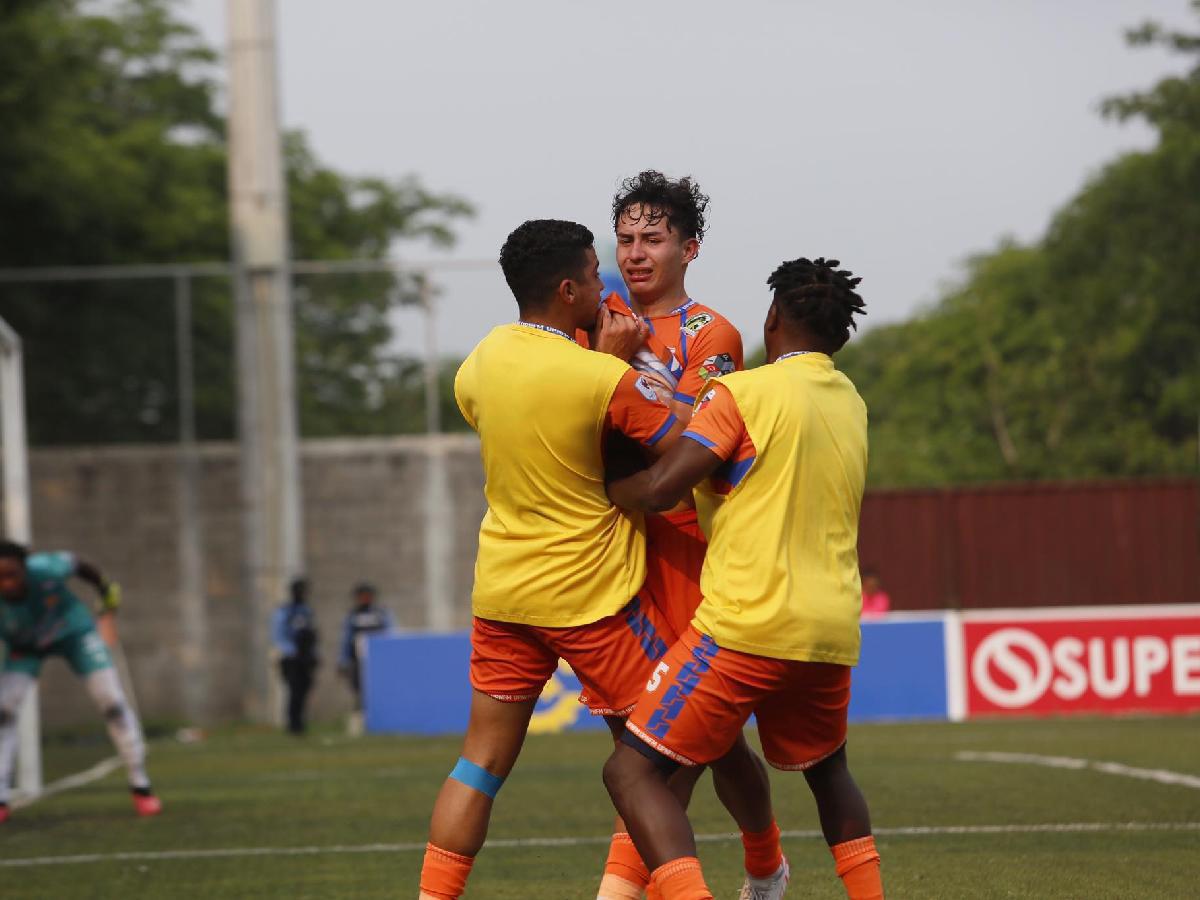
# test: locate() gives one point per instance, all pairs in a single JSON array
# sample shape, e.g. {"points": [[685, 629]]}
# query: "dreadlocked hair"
{"points": [[820, 295], [680, 202]]}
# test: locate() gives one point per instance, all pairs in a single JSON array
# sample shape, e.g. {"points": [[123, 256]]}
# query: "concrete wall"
{"points": [[364, 519]]}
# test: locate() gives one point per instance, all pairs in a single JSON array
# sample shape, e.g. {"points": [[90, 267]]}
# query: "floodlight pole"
{"points": [[18, 527], [438, 505], [265, 343], [193, 618]]}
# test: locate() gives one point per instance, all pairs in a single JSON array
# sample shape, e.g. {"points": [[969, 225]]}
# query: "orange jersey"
{"points": [[634, 411], [692, 343], [718, 425]]}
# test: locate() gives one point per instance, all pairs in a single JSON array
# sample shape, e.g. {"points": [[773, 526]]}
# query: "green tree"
{"points": [[112, 150], [1075, 356]]}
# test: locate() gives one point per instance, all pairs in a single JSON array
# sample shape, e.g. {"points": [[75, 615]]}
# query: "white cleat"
{"points": [[769, 888]]}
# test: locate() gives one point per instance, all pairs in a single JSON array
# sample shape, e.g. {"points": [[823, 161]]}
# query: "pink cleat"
{"points": [[4, 813], [146, 804]]}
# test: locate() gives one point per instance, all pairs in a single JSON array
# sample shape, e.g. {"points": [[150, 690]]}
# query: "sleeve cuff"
{"points": [[701, 440], [684, 398], [661, 433]]}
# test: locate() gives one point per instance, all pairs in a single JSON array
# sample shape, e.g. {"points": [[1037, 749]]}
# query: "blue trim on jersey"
{"points": [[662, 432], [676, 695], [477, 777], [700, 439], [684, 398], [734, 472]]}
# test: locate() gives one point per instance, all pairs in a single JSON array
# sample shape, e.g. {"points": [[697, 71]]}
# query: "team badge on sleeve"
{"points": [[716, 366], [706, 399], [645, 388], [693, 325]]}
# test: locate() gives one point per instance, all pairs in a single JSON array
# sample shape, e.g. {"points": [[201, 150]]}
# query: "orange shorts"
{"points": [[611, 657], [700, 695], [675, 548]]}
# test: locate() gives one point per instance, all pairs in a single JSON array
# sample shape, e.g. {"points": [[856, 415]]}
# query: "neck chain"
{"points": [[548, 328], [794, 353]]}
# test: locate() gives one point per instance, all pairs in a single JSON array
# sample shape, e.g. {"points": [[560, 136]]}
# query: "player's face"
{"points": [[12, 579], [589, 291], [651, 256]]}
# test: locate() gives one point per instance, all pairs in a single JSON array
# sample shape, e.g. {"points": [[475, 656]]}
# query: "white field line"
{"points": [[79, 779], [602, 840], [1162, 776]]}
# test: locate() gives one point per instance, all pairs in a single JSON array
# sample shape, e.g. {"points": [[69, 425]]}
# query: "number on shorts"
{"points": [[656, 676]]}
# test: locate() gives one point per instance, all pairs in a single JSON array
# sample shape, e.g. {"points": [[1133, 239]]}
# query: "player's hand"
{"points": [[110, 600], [618, 334]]}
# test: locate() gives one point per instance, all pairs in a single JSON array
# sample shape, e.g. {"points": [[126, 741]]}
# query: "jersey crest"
{"points": [[693, 325]]}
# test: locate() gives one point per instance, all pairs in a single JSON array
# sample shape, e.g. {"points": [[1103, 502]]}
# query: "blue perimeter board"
{"points": [[418, 683]]}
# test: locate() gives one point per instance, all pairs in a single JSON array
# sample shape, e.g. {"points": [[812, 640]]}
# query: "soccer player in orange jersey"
{"points": [[777, 457], [559, 568], [659, 223]]}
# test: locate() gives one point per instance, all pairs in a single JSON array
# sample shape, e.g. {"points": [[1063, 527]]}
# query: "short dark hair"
{"points": [[539, 255], [819, 295], [13, 550], [679, 202]]}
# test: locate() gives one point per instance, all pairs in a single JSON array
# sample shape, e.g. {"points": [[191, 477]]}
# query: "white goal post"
{"points": [[17, 527]]}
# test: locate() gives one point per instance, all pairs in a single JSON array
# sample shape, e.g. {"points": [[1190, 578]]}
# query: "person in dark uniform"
{"points": [[294, 635], [365, 618]]}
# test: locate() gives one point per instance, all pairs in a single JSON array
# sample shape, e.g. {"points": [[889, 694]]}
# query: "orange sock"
{"points": [[444, 874], [681, 879], [625, 875], [763, 852], [858, 866]]}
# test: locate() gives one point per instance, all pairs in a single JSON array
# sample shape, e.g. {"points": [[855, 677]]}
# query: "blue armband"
{"points": [[477, 777]]}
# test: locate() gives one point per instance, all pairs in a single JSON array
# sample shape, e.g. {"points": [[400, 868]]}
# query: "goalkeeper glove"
{"points": [[110, 600]]}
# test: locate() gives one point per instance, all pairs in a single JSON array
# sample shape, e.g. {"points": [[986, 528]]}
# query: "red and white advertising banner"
{"points": [[1096, 659]]}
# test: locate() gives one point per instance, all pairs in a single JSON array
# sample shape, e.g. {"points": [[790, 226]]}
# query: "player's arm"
{"points": [[668, 481], [346, 646], [636, 412], [109, 591], [713, 436]]}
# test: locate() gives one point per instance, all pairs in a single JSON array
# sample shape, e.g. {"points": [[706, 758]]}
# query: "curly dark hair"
{"points": [[679, 202], [539, 255], [13, 550], [820, 295]]}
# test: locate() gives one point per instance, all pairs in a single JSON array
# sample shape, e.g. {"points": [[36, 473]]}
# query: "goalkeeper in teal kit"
{"points": [[40, 618]]}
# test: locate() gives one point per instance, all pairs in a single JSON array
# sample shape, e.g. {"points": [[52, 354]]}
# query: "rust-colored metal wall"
{"points": [[1042, 544]]}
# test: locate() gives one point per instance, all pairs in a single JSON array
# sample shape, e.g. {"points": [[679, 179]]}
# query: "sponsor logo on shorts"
{"points": [[676, 696], [693, 325], [716, 366]]}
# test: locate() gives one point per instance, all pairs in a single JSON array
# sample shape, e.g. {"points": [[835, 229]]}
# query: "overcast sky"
{"points": [[899, 137]]}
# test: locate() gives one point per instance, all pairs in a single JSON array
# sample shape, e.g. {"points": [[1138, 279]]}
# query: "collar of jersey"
{"points": [[548, 328]]}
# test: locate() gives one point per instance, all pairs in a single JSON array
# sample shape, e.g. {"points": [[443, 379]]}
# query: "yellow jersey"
{"points": [[781, 575], [553, 550]]}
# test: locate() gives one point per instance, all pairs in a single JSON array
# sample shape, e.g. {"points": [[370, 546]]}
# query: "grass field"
{"points": [[354, 813]]}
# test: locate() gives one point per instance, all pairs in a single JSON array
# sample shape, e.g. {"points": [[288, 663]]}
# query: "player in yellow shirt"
{"points": [[777, 457], [559, 567]]}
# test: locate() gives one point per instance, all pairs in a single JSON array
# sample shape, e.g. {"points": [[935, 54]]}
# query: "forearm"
{"points": [[644, 492], [92, 575]]}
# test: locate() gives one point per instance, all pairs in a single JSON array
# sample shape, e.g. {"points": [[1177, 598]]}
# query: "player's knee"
{"points": [[828, 768], [115, 713]]}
